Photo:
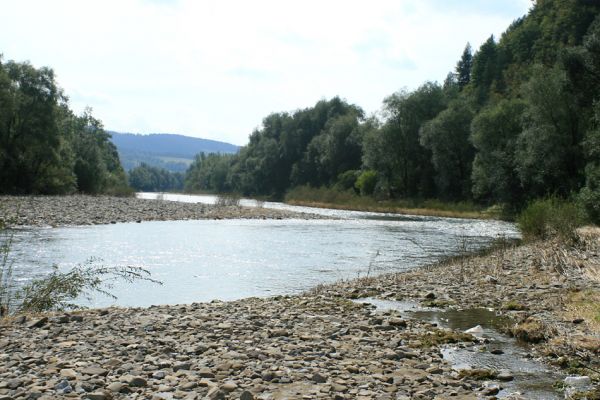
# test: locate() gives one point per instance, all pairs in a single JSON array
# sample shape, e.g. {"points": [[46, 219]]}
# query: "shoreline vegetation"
{"points": [[319, 344], [345, 200]]}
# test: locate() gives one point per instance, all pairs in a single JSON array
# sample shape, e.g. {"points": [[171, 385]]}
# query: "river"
{"points": [[232, 259]]}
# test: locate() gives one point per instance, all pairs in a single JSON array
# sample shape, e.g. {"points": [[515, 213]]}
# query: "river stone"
{"points": [[116, 387], [137, 381], [94, 371], [318, 378], [246, 395], [68, 373], [229, 386], [505, 376], [182, 366], [206, 373], [397, 322], [37, 323], [97, 396], [215, 394]]}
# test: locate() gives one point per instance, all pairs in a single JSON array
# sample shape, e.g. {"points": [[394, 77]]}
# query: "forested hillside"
{"points": [[44, 147], [172, 152], [517, 120]]}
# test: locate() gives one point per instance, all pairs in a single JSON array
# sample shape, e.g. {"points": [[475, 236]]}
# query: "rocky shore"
{"points": [[319, 345], [94, 210]]}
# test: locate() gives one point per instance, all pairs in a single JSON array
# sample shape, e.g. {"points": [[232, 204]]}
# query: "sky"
{"points": [[215, 68]]}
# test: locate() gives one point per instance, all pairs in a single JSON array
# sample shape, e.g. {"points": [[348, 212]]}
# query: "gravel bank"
{"points": [[550, 290], [301, 347], [319, 345], [94, 210]]}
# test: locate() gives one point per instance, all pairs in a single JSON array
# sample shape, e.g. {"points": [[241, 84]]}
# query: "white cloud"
{"points": [[214, 69]]}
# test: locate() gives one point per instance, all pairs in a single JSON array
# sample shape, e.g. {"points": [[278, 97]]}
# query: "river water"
{"points": [[232, 259]]}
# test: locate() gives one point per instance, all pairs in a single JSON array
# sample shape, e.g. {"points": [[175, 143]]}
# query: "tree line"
{"points": [[516, 120], [45, 148]]}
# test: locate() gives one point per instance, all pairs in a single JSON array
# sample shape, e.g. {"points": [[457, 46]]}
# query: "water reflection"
{"points": [[232, 259]]}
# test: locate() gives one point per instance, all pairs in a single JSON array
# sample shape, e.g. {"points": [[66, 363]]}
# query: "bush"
{"points": [[347, 180], [225, 200], [57, 291], [551, 217], [366, 182], [590, 194]]}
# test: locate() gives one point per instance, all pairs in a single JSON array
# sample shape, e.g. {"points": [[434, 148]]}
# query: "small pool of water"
{"points": [[532, 378]]}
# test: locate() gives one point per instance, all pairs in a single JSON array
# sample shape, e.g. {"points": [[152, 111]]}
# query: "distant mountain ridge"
{"points": [[169, 151]]}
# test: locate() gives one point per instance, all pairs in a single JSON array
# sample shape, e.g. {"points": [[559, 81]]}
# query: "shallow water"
{"points": [[532, 378], [232, 259]]}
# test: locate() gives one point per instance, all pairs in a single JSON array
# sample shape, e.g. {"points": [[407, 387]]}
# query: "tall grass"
{"points": [[6, 270]]}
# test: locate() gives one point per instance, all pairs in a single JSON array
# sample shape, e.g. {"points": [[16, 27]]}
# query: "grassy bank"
{"points": [[331, 198]]}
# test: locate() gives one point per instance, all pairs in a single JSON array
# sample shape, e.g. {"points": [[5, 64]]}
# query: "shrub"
{"points": [[366, 182], [551, 217], [59, 290], [347, 180], [225, 200], [590, 194]]}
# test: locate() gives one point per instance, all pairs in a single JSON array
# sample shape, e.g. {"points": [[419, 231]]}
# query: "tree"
{"points": [[447, 137], [44, 147], [549, 155], [494, 134], [484, 69], [463, 68], [394, 151], [30, 138]]}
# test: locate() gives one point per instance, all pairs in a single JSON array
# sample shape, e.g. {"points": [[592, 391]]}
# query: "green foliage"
{"points": [[549, 157], [513, 122], [366, 182], [59, 290], [347, 180], [447, 137], [494, 133], [210, 173], [152, 179], [463, 67], [550, 217], [394, 151], [44, 147]]}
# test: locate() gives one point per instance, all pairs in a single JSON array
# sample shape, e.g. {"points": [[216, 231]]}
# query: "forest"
{"points": [[515, 120], [45, 148]]}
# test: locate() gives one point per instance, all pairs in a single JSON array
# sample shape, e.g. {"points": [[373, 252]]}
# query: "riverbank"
{"points": [[316, 345], [345, 200], [94, 210], [550, 290], [395, 209]]}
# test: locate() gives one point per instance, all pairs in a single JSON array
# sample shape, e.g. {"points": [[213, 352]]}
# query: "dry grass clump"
{"points": [[532, 330], [478, 374], [584, 305]]}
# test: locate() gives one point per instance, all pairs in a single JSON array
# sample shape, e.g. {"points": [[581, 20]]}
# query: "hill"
{"points": [[172, 152]]}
